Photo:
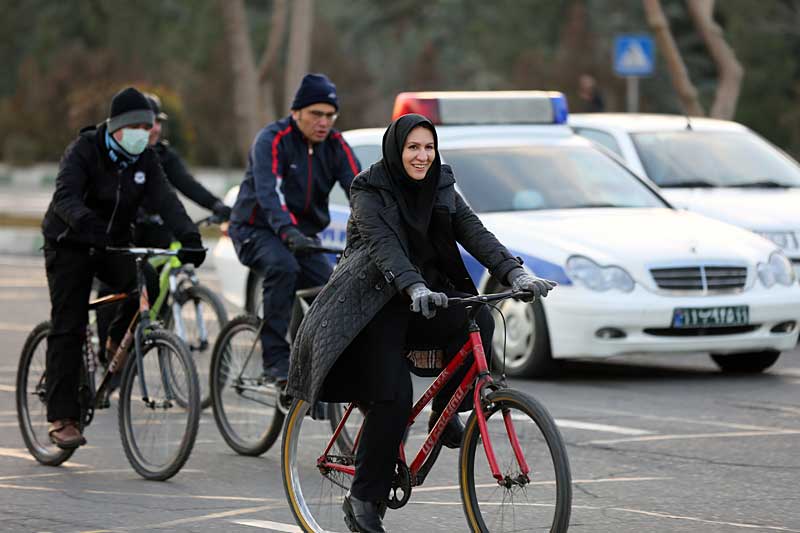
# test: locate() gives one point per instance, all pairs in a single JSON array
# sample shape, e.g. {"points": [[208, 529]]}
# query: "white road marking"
{"points": [[19, 283], [187, 496], [272, 526], [688, 436], [603, 428], [23, 453], [795, 372], [8, 388], [20, 296]]}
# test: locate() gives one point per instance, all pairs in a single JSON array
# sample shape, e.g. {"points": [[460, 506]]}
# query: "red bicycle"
{"points": [[513, 468]]}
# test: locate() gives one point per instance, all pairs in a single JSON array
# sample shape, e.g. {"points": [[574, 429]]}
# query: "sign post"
{"points": [[634, 57]]}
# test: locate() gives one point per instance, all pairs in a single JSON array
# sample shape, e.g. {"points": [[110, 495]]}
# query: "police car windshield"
{"points": [[715, 159], [538, 177]]}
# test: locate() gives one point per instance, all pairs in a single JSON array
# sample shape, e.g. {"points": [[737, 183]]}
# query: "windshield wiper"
{"points": [[591, 206], [696, 184], [761, 184]]}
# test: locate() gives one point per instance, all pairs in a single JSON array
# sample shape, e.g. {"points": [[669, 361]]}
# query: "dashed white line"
{"points": [[603, 428], [272, 526], [687, 436]]}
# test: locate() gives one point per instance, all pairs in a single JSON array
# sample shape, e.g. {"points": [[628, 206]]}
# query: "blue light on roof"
{"points": [[560, 110]]}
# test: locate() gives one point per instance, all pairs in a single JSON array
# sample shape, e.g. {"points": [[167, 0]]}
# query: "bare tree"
{"points": [[254, 103], [729, 68], [299, 54], [677, 69]]}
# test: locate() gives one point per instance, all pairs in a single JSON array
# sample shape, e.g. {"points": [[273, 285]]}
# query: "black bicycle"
{"points": [[159, 394]]}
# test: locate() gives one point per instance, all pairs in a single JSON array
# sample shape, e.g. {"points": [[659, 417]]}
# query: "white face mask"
{"points": [[134, 141]]}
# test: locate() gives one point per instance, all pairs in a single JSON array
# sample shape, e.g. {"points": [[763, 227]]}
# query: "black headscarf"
{"points": [[414, 197]]}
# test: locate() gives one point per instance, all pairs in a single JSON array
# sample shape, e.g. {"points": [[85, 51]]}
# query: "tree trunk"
{"points": [[299, 54], [677, 69], [246, 101], [269, 58], [729, 68]]}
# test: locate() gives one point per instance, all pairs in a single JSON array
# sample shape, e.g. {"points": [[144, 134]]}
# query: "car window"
{"points": [[717, 159], [538, 177], [600, 137]]}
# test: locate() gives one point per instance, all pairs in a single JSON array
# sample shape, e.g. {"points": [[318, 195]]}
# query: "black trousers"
{"points": [[385, 421], [70, 272]]}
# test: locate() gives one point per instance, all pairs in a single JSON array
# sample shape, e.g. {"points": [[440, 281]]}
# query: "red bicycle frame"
{"points": [[477, 373]]}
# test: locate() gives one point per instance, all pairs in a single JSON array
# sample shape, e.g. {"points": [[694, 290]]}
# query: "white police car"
{"points": [[634, 274], [715, 167]]}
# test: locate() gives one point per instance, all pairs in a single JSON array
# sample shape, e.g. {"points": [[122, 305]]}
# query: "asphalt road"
{"points": [[655, 443]]}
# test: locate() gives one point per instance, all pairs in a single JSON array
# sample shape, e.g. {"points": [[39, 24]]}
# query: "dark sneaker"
{"points": [[66, 434], [362, 515], [453, 431]]}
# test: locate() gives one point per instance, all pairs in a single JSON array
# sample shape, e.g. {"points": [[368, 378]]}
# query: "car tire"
{"points": [[528, 352], [746, 363], [254, 297]]}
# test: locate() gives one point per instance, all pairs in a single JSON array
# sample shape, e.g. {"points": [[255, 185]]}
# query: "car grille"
{"points": [[701, 278]]}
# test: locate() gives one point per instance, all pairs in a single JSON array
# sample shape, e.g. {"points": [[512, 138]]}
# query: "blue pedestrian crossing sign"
{"points": [[634, 55]]}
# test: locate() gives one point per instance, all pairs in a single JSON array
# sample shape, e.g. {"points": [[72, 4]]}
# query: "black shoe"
{"points": [[361, 516], [453, 431]]}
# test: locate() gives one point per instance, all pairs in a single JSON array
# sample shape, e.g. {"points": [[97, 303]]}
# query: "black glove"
{"points": [[425, 301], [297, 242], [520, 280], [192, 251], [222, 211]]}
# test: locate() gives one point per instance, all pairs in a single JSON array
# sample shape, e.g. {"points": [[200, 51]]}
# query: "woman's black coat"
{"points": [[375, 267]]}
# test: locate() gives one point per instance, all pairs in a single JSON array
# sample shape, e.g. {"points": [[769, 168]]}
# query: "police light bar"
{"points": [[484, 107]]}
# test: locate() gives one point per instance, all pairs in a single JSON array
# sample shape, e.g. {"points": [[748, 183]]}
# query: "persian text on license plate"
{"points": [[708, 317]]}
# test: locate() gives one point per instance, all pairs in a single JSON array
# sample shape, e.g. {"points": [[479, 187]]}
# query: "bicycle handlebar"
{"points": [[488, 298], [148, 252], [210, 220]]}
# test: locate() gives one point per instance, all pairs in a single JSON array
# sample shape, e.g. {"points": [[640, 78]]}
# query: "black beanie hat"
{"points": [[129, 107], [155, 105], [315, 89]]}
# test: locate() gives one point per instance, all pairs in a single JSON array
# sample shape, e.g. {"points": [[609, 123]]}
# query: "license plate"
{"points": [[709, 317]]}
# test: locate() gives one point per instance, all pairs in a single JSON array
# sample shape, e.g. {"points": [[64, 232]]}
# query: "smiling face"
{"points": [[419, 151]]}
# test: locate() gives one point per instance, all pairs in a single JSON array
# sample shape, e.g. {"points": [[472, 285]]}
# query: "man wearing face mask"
{"points": [[104, 176], [283, 204]]}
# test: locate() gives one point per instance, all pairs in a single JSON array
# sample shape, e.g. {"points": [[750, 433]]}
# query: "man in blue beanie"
{"points": [[283, 204]]}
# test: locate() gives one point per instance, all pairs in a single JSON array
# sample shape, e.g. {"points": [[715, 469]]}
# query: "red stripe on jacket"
{"points": [[347, 151]]}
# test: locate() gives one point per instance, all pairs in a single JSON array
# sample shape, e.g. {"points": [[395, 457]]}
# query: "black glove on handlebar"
{"points": [[192, 251], [425, 301], [222, 211], [297, 242]]}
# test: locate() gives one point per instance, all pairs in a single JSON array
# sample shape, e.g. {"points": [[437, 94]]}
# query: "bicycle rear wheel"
{"points": [[32, 399], [203, 316], [538, 501], [315, 494], [158, 433], [245, 406]]}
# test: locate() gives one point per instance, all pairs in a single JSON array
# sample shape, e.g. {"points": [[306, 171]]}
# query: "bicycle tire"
{"points": [[202, 355], [315, 498], [543, 449], [133, 434], [32, 404], [229, 398]]}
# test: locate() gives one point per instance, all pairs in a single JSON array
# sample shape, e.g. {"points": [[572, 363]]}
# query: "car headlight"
{"points": [[777, 270], [785, 239], [599, 278]]}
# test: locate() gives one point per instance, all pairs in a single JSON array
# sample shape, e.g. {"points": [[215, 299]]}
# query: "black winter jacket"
{"points": [[375, 267], [95, 203], [179, 176], [287, 181]]}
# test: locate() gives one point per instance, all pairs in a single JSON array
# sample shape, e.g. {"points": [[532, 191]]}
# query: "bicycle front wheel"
{"points": [[315, 491], [32, 399], [158, 432], [202, 317], [245, 406], [539, 500]]}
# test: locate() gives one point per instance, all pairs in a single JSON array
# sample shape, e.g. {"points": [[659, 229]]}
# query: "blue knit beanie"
{"points": [[315, 89]]}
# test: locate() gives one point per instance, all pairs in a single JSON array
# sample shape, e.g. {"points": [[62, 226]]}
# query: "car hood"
{"points": [[635, 239], [753, 209]]}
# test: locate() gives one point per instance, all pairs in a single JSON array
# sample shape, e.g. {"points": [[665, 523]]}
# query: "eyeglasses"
{"points": [[319, 115]]}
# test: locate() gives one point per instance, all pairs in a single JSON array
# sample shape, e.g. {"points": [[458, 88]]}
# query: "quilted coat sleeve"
{"points": [[481, 243], [383, 242]]}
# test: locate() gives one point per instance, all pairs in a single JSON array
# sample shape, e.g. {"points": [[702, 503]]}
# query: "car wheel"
{"points": [[527, 341], [746, 363], [254, 298]]}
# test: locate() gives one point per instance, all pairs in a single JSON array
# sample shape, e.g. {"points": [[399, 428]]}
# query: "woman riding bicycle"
{"points": [[406, 221]]}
